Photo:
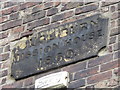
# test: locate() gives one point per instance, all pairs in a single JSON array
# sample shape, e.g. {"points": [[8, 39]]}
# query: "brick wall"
{"points": [[21, 19]]}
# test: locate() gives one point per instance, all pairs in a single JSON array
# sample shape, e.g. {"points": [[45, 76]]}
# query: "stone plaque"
{"points": [[59, 46], [54, 80]]}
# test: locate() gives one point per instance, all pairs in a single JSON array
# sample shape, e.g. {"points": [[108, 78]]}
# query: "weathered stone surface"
{"points": [[59, 46]]}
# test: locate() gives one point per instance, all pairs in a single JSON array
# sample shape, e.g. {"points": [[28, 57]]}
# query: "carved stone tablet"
{"points": [[53, 80], [59, 46]]}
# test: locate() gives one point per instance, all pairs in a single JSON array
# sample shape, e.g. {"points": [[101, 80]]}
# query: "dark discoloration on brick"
{"points": [[26, 5], [117, 71], [35, 16], [117, 55], [109, 66], [14, 16], [37, 8], [9, 4], [28, 81], [75, 67], [11, 24], [115, 15], [116, 46], [62, 16], [86, 9], [112, 40], [99, 77], [52, 11], [1, 50], [3, 19], [37, 23], [48, 5], [115, 31], [25, 34], [71, 5], [10, 10], [77, 83], [86, 73], [100, 60]]}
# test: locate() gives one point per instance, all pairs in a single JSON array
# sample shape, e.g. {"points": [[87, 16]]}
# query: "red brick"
{"points": [[71, 5], [37, 23], [14, 16], [52, 11], [89, 2], [75, 67], [86, 73], [4, 56], [28, 81], [1, 50], [77, 83], [68, 20], [85, 9], [27, 5], [100, 60], [112, 40], [35, 16], [18, 84], [109, 66], [3, 73], [73, 19], [113, 24], [117, 71], [118, 22], [115, 31], [118, 37], [10, 10], [37, 8], [48, 5], [117, 55], [113, 8], [116, 46], [11, 24], [9, 4], [109, 2], [62, 16], [118, 6], [17, 30], [110, 48], [99, 77], [25, 34], [57, 4], [3, 19], [5, 64], [115, 15], [3, 35], [52, 25]]}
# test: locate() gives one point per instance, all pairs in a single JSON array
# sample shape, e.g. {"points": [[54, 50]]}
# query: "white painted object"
{"points": [[60, 78]]}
